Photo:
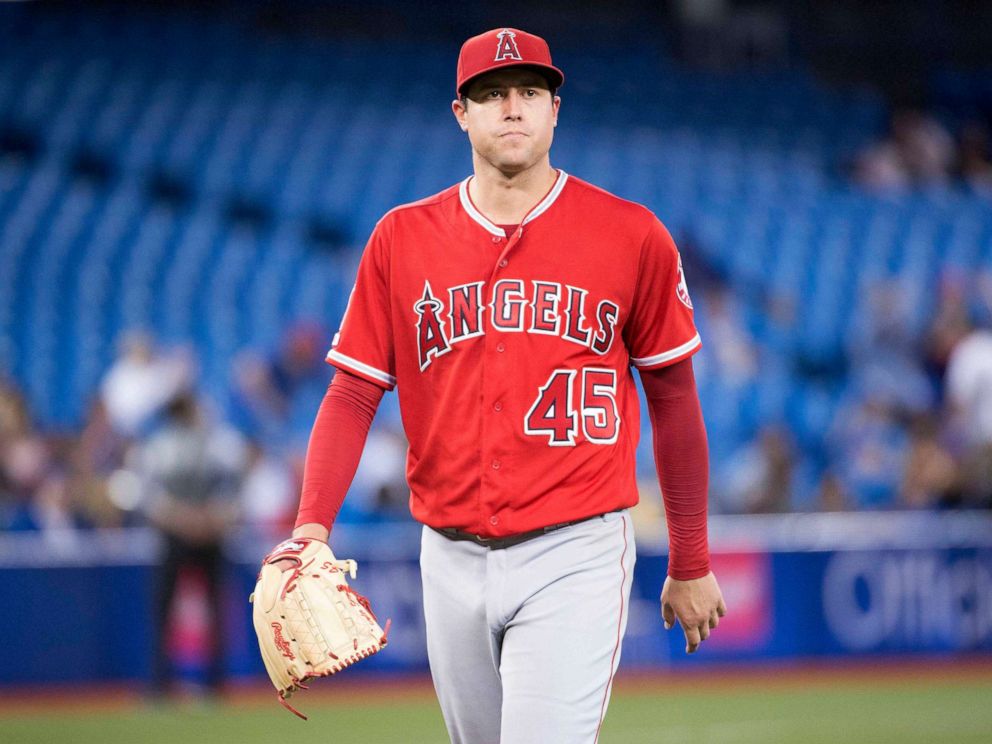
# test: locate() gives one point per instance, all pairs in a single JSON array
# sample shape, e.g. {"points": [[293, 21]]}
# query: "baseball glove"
{"points": [[309, 622]]}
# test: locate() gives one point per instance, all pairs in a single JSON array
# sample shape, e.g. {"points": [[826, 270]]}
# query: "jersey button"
{"points": [[503, 264], [497, 406], [500, 347], [494, 521], [497, 464], [497, 239]]}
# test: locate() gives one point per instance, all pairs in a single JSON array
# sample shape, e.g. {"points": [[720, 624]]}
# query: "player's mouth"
{"points": [[514, 134]]}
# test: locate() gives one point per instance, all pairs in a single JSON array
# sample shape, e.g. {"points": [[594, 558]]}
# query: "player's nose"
{"points": [[512, 104]]}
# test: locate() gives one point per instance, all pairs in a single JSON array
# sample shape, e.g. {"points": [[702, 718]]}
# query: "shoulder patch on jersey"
{"points": [[682, 289]]}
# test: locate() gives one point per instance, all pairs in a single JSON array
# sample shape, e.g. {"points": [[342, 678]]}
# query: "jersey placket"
{"points": [[501, 350], [497, 366]]}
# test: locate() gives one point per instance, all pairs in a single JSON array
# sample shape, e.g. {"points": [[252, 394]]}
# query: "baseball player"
{"points": [[507, 312]]}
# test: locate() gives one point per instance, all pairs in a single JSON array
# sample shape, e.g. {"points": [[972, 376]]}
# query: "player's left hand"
{"points": [[697, 605]]}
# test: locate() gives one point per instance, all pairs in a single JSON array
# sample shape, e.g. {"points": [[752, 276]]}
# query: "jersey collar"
{"points": [[537, 211]]}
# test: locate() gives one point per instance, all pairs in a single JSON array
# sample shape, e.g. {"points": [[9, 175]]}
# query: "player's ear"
{"points": [[556, 105], [458, 108]]}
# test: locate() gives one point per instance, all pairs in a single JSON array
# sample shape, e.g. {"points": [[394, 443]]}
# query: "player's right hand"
{"points": [[697, 604]]}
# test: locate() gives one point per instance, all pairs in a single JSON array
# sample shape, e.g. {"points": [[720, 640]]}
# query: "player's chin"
{"points": [[513, 162]]}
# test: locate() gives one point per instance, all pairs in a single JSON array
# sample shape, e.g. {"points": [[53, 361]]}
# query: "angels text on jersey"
{"points": [[549, 308]]}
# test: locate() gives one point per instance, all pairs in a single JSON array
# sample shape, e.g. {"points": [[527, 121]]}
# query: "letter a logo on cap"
{"points": [[506, 47]]}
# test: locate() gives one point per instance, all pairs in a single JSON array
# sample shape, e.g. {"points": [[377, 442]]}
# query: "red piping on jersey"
{"points": [[616, 648]]}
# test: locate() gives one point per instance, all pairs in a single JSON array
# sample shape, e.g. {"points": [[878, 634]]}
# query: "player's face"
{"points": [[510, 119]]}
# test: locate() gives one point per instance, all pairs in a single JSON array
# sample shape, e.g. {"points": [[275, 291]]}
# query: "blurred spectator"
{"points": [[981, 306], [880, 168], [868, 448], [969, 397], [193, 469], [831, 496], [14, 424], [969, 386], [264, 388], [140, 382], [883, 354], [27, 499], [925, 146], [96, 455], [883, 322], [950, 324], [974, 161], [301, 359], [930, 479], [379, 488], [759, 479], [259, 410], [918, 151], [732, 349], [25, 465], [13, 412], [269, 493]]}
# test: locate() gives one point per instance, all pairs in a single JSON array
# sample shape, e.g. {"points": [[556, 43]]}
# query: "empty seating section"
{"points": [[213, 183]]}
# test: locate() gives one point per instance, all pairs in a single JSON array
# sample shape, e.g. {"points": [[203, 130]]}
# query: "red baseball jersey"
{"points": [[512, 354]]}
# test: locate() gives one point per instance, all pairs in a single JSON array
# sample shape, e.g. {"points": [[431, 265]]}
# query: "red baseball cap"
{"points": [[505, 47]]}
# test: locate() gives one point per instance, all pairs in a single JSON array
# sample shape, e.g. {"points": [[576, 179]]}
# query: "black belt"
{"points": [[498, 543]]}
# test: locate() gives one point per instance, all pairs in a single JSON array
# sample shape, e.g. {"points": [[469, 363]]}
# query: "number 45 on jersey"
{"points": [[570, 402]]}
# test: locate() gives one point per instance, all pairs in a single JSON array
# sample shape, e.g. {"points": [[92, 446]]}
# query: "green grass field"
{"points": [[872, 711]]}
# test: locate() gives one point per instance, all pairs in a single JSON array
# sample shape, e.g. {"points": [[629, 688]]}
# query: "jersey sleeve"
{"points": [[364, 344], [660, 330]]}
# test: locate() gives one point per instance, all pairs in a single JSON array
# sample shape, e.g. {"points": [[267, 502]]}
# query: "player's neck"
{"points": [[506, 199]]}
